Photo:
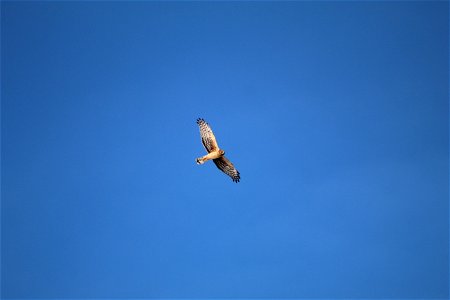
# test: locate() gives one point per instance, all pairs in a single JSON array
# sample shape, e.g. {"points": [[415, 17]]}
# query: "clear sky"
{"points": [[335, 114]]}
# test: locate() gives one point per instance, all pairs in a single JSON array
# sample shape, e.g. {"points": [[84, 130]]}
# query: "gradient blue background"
{"points": [[335, 113]]}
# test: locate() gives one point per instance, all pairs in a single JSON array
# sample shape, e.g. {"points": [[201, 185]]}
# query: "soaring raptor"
{"points": [[214, 152]]}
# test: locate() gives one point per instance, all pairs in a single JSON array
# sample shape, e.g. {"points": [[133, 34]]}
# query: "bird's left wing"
{"points": [[208, 138], [227, 167]]}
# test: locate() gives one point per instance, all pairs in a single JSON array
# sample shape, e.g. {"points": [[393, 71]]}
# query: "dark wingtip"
{"points": [[237, 178], [200, 120]]}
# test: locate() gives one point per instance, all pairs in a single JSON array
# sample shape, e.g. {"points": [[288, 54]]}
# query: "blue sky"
{"points": [[335, 114]]}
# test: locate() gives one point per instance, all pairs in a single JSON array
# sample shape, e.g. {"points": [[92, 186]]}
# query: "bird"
{"points": [[215, 154]]}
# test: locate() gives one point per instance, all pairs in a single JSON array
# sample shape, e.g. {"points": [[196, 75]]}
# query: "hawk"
{"points": [[214, 152]]}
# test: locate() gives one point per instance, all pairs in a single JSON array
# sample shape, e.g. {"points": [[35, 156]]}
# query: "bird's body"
{"points": [[212, 155], [214, 152]]}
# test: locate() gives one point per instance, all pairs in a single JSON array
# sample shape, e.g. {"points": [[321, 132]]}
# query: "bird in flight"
{"points": [[214, 152]]}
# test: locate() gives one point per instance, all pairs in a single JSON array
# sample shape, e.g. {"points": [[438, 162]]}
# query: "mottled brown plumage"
{"points": [[214, 152]]}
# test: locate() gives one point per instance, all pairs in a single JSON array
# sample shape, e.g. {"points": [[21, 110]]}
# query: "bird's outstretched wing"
{"points": [[227, 167], [208, 138]]}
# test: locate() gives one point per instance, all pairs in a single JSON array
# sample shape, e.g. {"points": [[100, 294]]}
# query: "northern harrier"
{"points": [[214, 152]]}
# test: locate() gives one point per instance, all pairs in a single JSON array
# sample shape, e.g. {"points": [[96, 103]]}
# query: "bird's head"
{"points": [[221, 152]]}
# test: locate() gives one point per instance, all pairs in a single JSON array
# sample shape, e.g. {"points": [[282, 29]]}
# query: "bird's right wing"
{"points": [[227, 167]]}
